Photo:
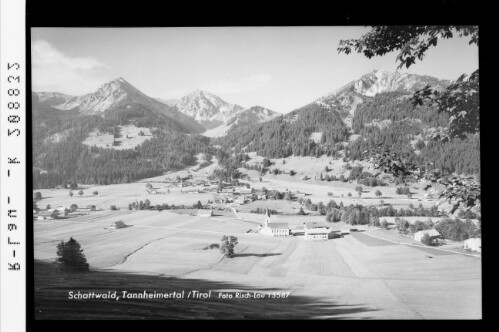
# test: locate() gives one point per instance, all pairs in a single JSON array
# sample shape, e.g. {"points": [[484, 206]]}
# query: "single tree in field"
{"points": [[38, 196], [149, 186], [378, 193], [55, 214], [301, 212], [228, 244], [459, 101], [73, 207], [70, 193], [70, 254], [349, 194], [359, 189], [96, 193], [80, 193], [48, 207], [381, 202], [120, 224]]}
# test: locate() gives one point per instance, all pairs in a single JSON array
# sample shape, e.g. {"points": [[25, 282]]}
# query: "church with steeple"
{"points": [[273, 228]]}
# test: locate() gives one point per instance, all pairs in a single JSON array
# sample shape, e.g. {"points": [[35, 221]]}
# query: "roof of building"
{"points": [[430, 232], [317, 225], [278, 225]]}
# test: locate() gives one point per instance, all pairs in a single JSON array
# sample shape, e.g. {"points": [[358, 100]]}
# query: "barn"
{"points": [[205, 213], [432, 233]]}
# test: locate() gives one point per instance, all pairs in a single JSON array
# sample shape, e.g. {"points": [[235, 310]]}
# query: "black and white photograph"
{"points": [[256, 172]]}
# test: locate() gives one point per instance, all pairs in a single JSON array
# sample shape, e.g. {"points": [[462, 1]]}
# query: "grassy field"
{"points": [[129, 138], [372, 274], [347, 277]]}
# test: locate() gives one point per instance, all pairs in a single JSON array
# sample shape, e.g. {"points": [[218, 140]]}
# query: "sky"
{"points": [[280, 68]]}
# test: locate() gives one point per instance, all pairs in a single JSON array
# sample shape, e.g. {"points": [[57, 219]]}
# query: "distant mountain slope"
{"points": [[217, 115], [51, 98], [207, 109], [249, 116], [356, 118], [169, 102], [346, 99], [119, 96]]}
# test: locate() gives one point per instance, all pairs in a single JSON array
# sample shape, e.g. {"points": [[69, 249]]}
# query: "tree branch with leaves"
{"points": [[459, 100]]}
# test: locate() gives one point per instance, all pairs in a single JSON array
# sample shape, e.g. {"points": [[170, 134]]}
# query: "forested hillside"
{"points": [[387, 118], [290, 134], [392, 120], [57, 161]]}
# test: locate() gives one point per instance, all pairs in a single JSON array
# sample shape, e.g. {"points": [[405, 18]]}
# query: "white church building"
{"points": [[274, 228]]}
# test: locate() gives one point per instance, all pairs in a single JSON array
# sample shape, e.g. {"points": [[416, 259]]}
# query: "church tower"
{"points": [[267, 217]]}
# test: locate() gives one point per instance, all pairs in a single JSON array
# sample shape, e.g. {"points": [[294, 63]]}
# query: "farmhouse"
{"points": [[432, 233], [205, 213], [474, 244], [316, 231], [274, 228]]}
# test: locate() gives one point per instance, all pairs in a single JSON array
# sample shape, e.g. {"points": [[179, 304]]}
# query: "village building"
{"points": [[316, 231], [432, 233], [473, 244], [205, 213], [274, 228], [242, 191], [240, 200]]}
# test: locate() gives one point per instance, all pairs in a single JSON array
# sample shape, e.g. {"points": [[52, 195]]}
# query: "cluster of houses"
{"points": [[60, 211]]}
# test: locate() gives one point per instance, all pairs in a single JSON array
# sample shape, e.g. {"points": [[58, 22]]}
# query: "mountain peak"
{"points": [[120, 80]]}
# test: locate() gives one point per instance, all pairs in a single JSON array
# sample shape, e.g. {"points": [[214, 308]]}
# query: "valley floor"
{"points": [[357, 276], [371, 274]]}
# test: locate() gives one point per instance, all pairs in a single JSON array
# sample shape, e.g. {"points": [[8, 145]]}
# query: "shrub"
{"points": [[456, 230], [38, 196], [417, 226], [70, 254], [73, 207], [113, 208], [403, 190], [427, 240], [402, 225], [120, 224], [95, 193], [384, 224]]}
